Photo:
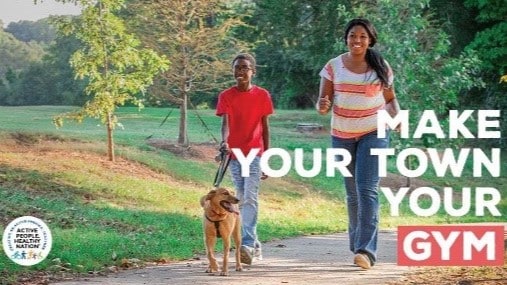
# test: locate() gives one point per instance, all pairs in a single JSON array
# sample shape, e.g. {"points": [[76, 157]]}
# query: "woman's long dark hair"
{"points": [[373, 58]]}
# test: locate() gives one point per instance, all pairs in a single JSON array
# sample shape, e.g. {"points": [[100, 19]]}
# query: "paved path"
{"points": [[305, 260]]}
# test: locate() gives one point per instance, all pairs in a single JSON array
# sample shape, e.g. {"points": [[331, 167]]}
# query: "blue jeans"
{"points": [[362, 191], [247, 191]]}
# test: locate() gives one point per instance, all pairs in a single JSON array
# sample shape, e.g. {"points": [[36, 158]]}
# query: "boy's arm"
{"points": [[225, 131], [265, 132], [265, 138]]}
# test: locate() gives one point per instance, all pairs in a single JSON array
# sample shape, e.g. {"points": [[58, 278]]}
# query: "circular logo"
{"points": [[27, 240]]}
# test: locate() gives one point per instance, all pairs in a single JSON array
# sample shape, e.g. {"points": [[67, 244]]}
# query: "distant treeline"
{"points": [[432, 45]]}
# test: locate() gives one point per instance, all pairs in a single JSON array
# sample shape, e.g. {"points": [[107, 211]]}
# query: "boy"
{"points": [[244, 109]]}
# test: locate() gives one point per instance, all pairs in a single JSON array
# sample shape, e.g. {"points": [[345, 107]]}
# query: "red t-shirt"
{"points": [[245, 111]]}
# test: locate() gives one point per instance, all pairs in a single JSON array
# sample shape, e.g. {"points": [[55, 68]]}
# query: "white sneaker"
{"points": [[246, 254], [257, 253]]}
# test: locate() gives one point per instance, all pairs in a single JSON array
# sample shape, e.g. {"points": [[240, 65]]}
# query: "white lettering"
{"points": [[299, 162], [424, 246], [481, 159], [341, 164], [447, 160], [286, 162], [481, 203], [458, 124], [483, 124], [245, 161], [435, 201], [421, 167], [429, 124], [382, 159], [394, 199], [470, 240], [445, 243], [384, 120]]}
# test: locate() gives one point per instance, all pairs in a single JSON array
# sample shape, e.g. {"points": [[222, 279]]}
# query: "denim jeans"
{"points": [[247, 191], [362, 191]]}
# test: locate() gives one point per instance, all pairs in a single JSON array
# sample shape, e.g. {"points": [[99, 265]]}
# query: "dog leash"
{"points": [[224, 157]]}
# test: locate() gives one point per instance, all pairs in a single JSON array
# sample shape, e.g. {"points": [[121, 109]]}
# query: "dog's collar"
{"points": [[217, 221], [217, 225]]}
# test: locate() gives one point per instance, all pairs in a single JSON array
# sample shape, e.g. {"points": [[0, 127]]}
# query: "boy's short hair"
{"points": [[245, 56]]}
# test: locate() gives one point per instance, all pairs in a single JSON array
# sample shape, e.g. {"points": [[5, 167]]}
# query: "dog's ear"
{"points": [[211, 194], [203, 199]]}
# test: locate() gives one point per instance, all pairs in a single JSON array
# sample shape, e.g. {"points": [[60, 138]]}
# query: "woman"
{"points": [[356, 85]]}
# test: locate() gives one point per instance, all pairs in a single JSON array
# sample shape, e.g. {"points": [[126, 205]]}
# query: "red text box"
{"points": [[451, 245]]}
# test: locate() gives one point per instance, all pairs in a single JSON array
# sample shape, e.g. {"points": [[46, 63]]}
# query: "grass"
{"points": [[144, 207]]}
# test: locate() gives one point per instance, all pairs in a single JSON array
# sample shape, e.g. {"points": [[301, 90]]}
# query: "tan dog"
{"points": [[221, 219]]}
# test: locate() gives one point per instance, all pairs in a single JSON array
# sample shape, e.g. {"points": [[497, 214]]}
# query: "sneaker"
{"points": [[246, 254], [257, 253], [362, 260]]}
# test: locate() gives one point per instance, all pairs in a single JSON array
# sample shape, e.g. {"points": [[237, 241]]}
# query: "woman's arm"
{"points": [[326, 91], [392, 105]]}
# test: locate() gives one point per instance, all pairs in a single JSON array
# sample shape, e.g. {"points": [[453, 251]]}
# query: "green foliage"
{"points": [[491, 46], [41, 31], [455, 19], [489, 10], [112, 62], [426, 77], [197, 38], [17, 55], [295, 39], [298, 38]]}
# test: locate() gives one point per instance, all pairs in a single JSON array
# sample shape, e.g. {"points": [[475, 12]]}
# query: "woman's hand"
{"points": [[326, 91], [393, 108], [323, 105]]}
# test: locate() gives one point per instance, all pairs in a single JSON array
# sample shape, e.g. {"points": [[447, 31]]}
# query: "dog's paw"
{"points": [[239, 268], [224, 273]]}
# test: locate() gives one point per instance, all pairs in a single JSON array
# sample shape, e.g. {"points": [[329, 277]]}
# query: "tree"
{"points": [[111, 60], [492, 40], [479, 26], [196, 35], [41, 31], [296, 38], [51, 81], [491, 45], [17, 55], [310, 33]]}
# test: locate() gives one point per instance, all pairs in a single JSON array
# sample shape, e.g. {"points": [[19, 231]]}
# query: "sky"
{"points": [[17, 10]]}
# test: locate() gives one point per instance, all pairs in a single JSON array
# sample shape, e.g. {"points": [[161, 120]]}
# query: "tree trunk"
{"points": [[183, 134], [110, 142]]}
